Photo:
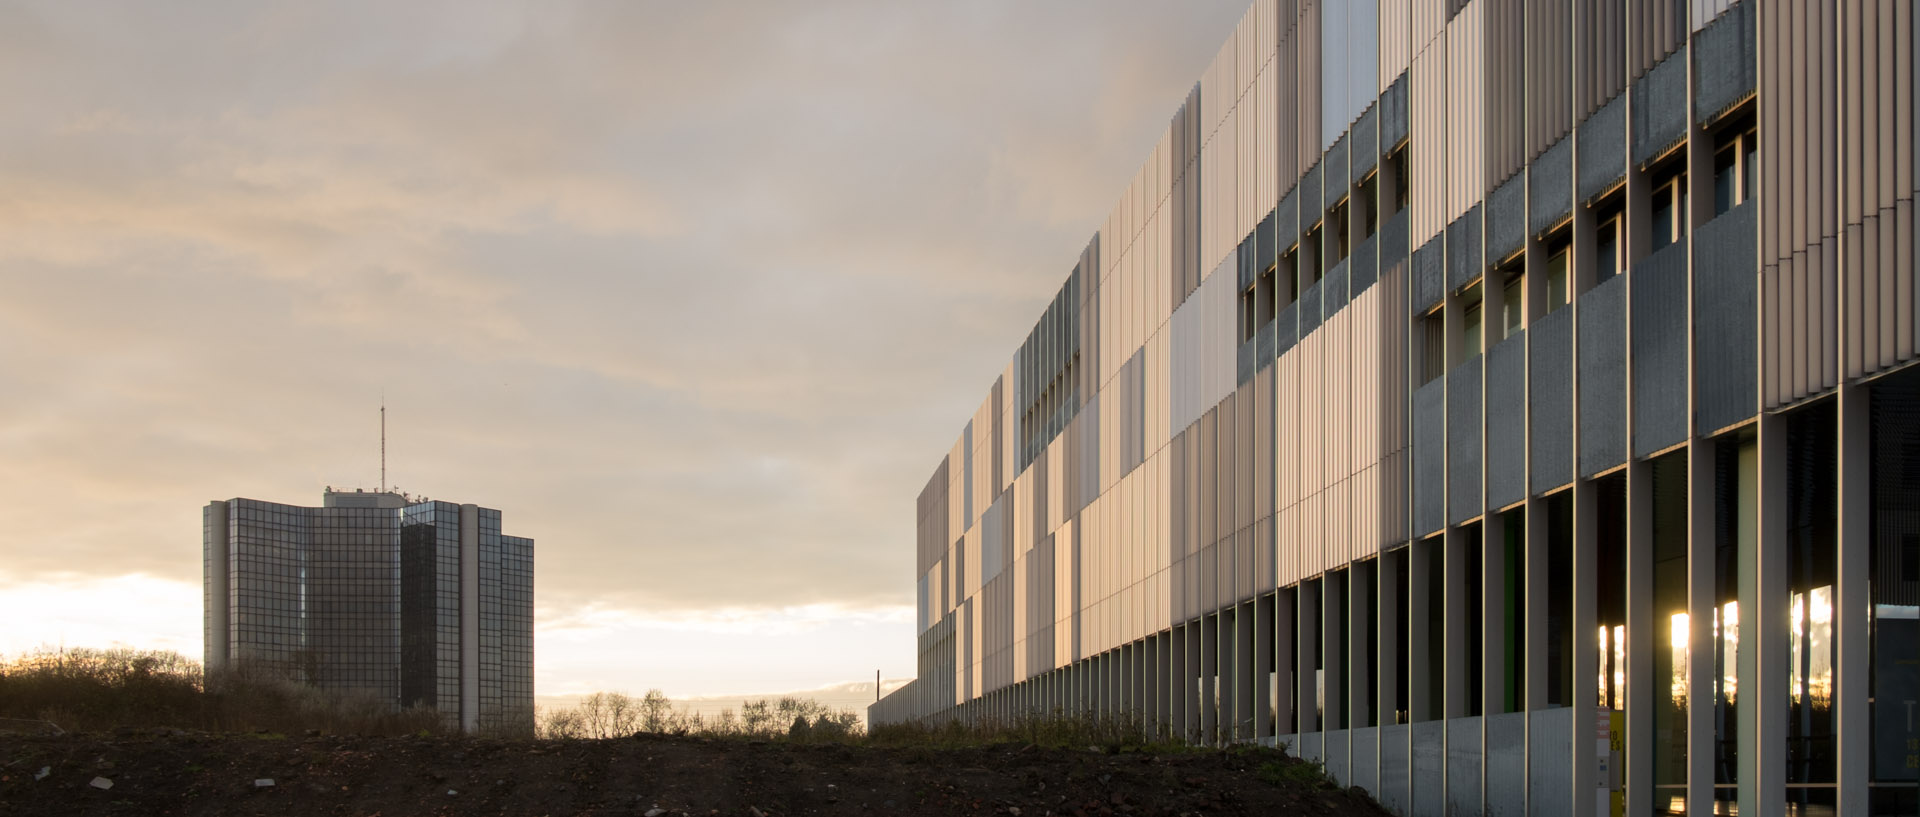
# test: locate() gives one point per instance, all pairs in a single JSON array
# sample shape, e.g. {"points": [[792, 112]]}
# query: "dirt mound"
{"points": [[178, 773]]}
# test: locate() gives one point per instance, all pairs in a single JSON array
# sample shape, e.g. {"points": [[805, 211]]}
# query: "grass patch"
{"points": [[1294, 772]]}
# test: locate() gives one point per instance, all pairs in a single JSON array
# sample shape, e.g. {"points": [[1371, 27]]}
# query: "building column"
{"points": [[1307, 600], [1763, 724], [1360, 601], [1227, 663], [1640, 689], [1423, 701], [1209, 678], [1177, 685], [1492, 615], [1263, 662], [1283, 652], [1534, 674], [1392, 619], [1190, 684], [1853, 608], [1246, 672], [1588, 748], [1453, 702], [1701, 604], [1333, 610]]}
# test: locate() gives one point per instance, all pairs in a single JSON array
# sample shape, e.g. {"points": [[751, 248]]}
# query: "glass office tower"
{"points": [[1506, 402], [418, 603]]}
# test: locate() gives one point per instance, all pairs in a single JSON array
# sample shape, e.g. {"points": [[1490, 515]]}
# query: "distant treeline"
{"points": [[617, 715], [93, 690]]}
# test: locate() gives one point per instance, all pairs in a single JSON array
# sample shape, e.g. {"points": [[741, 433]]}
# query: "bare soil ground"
{"points": [[167, 772]]}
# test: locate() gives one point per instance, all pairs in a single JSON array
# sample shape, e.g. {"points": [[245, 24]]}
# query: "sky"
{"points": [[696, 294]]}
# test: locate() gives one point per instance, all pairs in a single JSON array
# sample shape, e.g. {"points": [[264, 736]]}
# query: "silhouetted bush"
{"points": [[84, 690]]}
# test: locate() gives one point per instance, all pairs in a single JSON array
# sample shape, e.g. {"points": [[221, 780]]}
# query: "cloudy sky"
{"points": [[696, 294]]}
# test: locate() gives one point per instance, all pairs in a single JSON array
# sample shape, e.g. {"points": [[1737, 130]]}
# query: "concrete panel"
{"points": [[1333, 289], [1310, 308], [1396, 769], [1659, 344], [1727, 390], [1364, 267], [1264, 249], [1286, 221], [1464, 261], [1429, 463], [1429, 275], [1334, 751], [1550, 763], [1603, 148], [1263, 353], [1725, 63], [1334, 171], [1463, 440], [1393, 114], [1550, 180], [1310, 197], [1286, 329], [1507, 765], [1464, 766], [1660, 108], [1364, 154], [1506, 448], [1364, 752], [1507, 218], [1550, 397], [1429, 769], [1243, 361], [1602, 353], [1309, 746], [1394, 238]]}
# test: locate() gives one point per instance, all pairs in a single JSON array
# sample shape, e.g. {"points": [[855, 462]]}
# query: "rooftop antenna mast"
{"points": [[383, 443]]}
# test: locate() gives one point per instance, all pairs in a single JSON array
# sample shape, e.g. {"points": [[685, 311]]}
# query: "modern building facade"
{"points": [[1506, 402], [421, 603]]}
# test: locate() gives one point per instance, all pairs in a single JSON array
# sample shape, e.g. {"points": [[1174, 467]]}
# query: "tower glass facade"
{"points": [[368, 594]]}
